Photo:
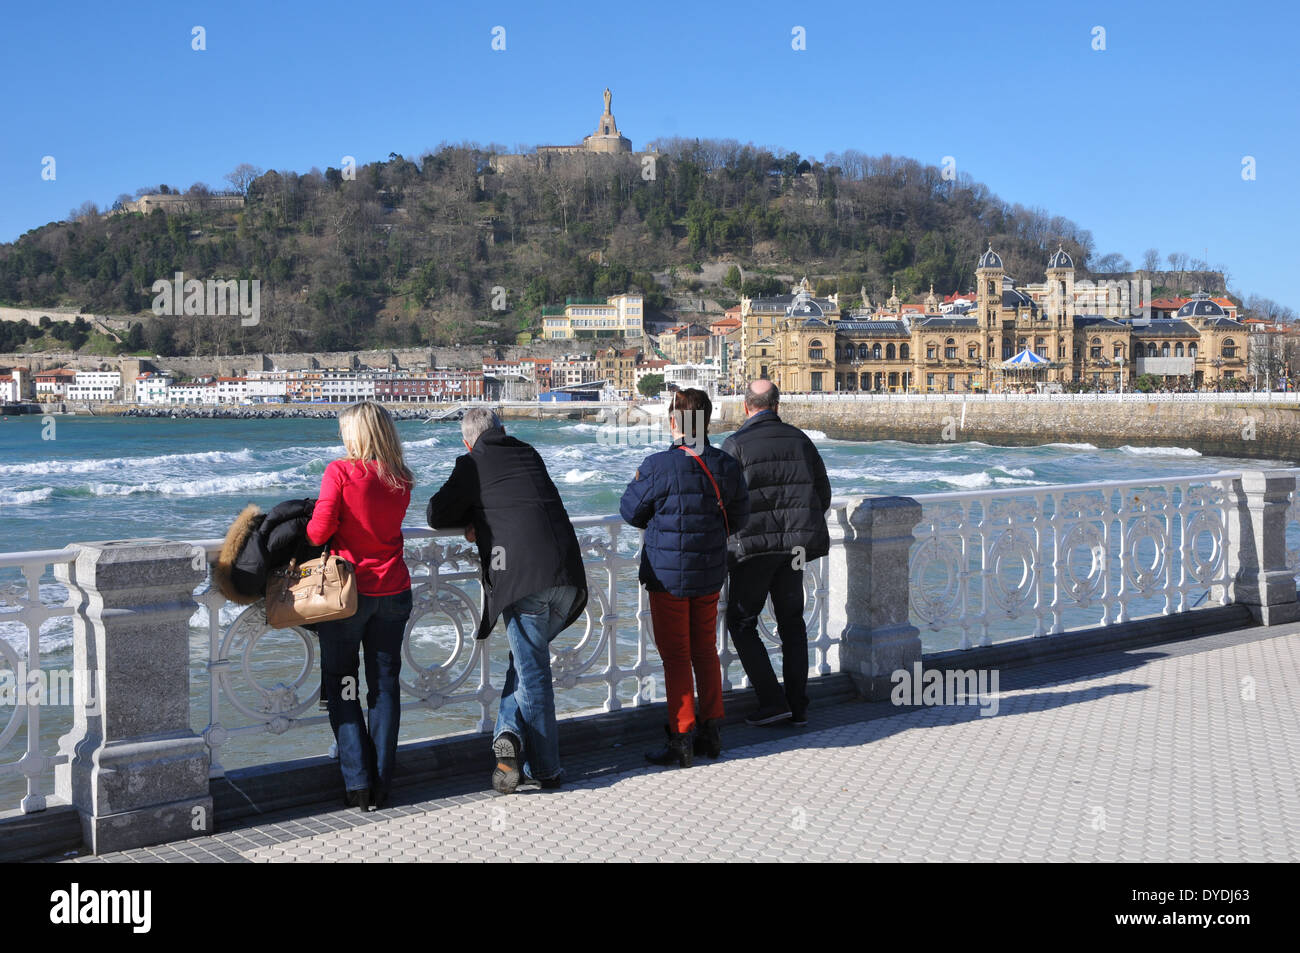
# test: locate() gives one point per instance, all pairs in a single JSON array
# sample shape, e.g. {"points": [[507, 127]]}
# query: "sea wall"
{"points": [[1253, 431]]}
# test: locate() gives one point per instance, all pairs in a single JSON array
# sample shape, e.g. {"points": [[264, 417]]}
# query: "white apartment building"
{"points": [[231, 390], [95, 385], [152, 388], [197, 393], [573, 369], [267, 387], [347, 386], [8, 390], [702, 376]]}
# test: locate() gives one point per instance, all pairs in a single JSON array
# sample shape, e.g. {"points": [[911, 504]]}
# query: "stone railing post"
{"points": [[1257, 559], [136, 772], [837, 581], [878, 638]]}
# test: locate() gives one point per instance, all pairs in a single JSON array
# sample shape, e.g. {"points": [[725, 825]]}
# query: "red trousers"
{"points": [[686, 635]]}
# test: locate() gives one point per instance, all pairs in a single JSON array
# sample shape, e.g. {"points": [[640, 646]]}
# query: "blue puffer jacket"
{"points": [[671, 498]]}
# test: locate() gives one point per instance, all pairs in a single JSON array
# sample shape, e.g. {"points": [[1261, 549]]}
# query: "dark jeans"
{"points": [[366, 757], [751, 582]]}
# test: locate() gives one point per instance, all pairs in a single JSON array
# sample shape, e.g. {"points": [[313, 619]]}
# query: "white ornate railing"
{"points": [[606, 660], [30, 597], [1091, 554], [982, 566]]}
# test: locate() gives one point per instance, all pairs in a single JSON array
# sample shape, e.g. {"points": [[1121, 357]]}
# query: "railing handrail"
{"points": [[14, 560], [948, 496]]}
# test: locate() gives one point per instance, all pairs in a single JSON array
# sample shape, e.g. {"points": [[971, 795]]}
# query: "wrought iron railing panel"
{"points": [[997, 564]]}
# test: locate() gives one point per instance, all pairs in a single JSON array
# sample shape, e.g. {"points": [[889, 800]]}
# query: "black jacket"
{"points": [[256, 543], [525, 540], [789, 492]]}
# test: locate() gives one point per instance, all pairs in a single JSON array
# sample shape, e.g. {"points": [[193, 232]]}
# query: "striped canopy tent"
{"points": [[1025, 366], [1026, 360]]}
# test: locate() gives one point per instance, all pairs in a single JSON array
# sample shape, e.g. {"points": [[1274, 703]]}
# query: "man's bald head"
{"points": [[761, 394]]}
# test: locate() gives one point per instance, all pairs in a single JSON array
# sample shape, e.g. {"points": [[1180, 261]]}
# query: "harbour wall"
{"points": [[1252, 431]]}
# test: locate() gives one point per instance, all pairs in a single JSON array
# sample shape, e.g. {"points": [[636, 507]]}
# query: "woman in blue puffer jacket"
{"points": [[688, 499]]}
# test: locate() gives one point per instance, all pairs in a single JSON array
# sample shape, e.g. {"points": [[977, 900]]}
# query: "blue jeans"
{"points": [[527, 708], [366, 757]]}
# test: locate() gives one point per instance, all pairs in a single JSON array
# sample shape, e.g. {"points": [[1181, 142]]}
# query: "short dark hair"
{"points": [[764, 401], [693, 405]]}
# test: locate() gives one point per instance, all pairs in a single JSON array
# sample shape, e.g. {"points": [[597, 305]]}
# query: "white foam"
{"points": [[1016, 471], [1072, 446], [1161, 451], [24, 497], [970, 481], [581, 476], [42, 467], [1011, 481], [213, 486]]}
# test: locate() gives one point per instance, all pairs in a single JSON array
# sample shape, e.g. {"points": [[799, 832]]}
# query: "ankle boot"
{"points": [[680, 749], [708, 740]]}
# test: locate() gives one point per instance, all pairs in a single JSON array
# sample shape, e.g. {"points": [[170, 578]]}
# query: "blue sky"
{"points": [[1141, 143]]}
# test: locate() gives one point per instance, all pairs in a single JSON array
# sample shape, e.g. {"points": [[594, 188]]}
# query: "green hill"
{"points": [[407, 253]]}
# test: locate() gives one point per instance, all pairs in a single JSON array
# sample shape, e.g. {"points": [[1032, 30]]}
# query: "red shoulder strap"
{"points": [[716, 492]]}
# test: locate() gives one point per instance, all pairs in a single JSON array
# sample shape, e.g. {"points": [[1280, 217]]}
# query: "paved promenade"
{"points": [[1188, 751]]}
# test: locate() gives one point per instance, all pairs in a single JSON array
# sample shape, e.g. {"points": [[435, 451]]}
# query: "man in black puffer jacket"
{"points": [[789, 495]]}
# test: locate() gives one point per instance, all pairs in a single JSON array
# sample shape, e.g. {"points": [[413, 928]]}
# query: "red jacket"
{"points": [[364, 516]]}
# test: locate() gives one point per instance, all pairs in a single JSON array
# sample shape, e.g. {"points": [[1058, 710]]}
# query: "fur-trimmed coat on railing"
{"points": [[256, 543]]}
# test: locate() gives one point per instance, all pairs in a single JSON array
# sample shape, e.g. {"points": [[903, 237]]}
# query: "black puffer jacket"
{"points": [[256, 543], [789, 492]]}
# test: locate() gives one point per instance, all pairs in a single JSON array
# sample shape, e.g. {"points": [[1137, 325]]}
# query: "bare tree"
{"points": [[86, 210], [1151, 260], [243, 177]]}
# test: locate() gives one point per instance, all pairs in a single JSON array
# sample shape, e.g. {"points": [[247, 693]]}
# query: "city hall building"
{"points": [[1038, 336]]}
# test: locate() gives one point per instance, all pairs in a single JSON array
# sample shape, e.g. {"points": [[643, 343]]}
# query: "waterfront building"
{"points": [[962, 344], [268, 387], [53, 384], [195, 392], [573, 369], [705, 376], [762, 319], [449, 383], [95, 386], [346, 386], [618, 369], [8, 389], [151, 387], [616, 316], [19, 383]]}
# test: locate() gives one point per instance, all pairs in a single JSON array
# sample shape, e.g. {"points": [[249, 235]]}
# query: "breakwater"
{"points": [[1221, 428]]}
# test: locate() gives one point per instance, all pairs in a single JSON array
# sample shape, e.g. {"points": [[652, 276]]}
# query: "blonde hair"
{"points": [[370, 437]]}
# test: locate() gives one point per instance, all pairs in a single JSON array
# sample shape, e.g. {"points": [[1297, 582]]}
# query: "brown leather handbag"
{"points": [[320, 590]]}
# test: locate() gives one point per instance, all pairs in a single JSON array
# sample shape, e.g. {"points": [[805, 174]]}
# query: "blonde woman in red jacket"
{"points": [[363, 501]]}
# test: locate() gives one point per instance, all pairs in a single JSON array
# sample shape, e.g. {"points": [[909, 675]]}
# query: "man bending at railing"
{"points": [[502, 496]]}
